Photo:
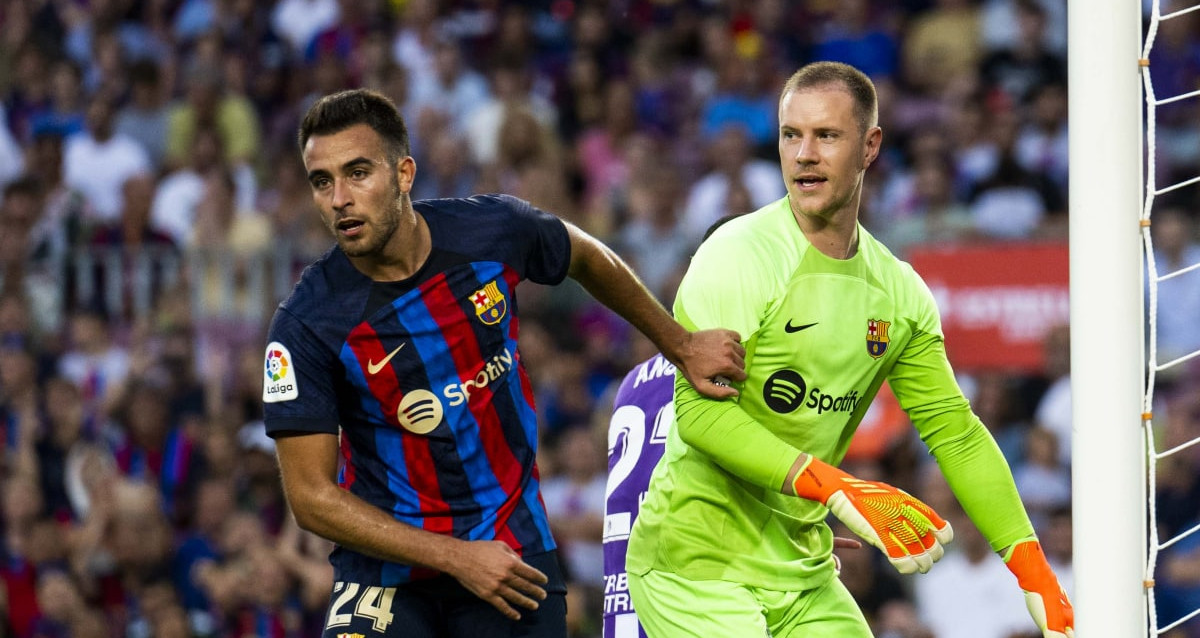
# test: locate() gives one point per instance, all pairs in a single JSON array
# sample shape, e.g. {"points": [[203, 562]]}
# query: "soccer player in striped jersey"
{"points": [[731, 539], [403, 418]]}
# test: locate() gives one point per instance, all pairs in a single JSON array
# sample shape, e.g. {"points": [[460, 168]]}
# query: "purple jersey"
{"points": [[643, 413]]}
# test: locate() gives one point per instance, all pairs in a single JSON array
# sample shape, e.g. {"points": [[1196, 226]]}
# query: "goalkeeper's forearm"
{"points": [[735, 440], [981, 480]]}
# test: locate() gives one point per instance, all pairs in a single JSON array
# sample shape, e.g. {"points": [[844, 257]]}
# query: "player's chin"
{"points": [[355, 247]]}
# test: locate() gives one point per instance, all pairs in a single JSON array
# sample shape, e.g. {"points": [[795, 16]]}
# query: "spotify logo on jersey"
{"points": [[784, 391], [420, 412]]}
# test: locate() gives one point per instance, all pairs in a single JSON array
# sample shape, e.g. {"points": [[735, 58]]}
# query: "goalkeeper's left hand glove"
{"points": [[1044, 596], [904, 528]]}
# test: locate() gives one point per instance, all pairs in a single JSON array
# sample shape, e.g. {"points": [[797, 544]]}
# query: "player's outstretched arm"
{"points": [[704, 357], [488, 569], [907, 530], [1044, 596]]}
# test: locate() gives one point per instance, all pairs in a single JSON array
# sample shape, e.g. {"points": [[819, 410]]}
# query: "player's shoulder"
{"points": [[883, 262], [451, 211], [482, 224], [329, 282], [765, 232]]}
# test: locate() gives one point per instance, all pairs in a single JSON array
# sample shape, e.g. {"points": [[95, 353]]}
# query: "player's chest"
{"points": [[452, 326], [832, 324]]}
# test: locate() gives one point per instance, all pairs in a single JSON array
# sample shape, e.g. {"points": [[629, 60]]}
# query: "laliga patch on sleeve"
{"points": [[279, 375]]}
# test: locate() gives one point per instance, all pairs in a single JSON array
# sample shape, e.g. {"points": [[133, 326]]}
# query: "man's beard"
{"points": [[378, 235]]}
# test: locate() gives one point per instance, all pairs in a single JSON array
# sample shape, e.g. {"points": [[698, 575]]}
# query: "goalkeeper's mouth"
{"points": [[808, 182]]}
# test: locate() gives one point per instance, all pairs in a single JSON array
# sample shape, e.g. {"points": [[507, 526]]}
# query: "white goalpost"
{"points": [[1108, 472]]}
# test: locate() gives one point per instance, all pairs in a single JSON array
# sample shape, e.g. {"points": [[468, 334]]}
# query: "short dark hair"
{"points": [[856, 83], [339, 111]]}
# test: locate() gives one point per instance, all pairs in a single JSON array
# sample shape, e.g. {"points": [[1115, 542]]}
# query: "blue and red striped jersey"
{"points": [[424, 378]]}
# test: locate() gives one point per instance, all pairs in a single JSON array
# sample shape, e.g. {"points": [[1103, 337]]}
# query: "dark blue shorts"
{"points": [[442, 608]]}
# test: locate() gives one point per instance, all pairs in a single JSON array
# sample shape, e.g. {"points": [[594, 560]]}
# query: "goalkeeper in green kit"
{"points": [[731, 539]]}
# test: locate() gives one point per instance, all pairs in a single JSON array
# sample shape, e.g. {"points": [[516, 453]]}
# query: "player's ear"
{"points": [[406, 171], [872, 142]]}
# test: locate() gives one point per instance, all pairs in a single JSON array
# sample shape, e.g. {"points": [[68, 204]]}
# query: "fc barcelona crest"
{"points": [[490, 304], [877, 337]]}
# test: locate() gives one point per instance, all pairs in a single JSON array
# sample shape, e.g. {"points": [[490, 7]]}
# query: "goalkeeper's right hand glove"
{"points": [[908, 531], [1045, 598]]}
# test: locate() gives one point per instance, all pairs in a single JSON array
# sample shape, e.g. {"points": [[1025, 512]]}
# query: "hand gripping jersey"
{"points": [[424, 378], [642, 415], [821, 336]]}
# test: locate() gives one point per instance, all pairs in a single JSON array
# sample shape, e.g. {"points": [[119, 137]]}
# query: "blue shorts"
{"points": [[442, 608]]}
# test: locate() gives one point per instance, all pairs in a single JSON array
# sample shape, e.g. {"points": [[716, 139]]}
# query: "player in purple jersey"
{"points": [[643, 413], [403, 417]]}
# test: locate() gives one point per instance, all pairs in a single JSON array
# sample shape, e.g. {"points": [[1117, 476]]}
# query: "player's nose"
{"points": [[341, 195]]}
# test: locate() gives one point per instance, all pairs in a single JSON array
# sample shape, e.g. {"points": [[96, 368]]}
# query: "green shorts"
{"points": [[669, 606]]}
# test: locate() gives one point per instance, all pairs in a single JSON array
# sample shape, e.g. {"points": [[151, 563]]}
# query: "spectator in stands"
{"points": [[855, 34], [1175, 248], [652, 237], [451, 89], [11, 161], [208, 106], [145, 117], [601, 151], [18, 212], [1053, 410], [180, 194], [941, 46], [1025, 63], [935, 215], [1015, 203], [1041, 144], [94, 361], [98, 160], [575, 502], [970, 594], [1041, 478], [745, 96], [65, 109], [731, 163], [298, 21], [153, 449], [132, 259], [68, 431], [512, 87]]}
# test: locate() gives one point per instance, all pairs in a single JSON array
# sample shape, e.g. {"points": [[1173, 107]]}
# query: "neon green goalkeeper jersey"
{"points": [[821, 336]]}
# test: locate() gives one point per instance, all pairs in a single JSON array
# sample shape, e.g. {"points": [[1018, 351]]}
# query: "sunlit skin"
{"points": [[823, 153], [365, 202]]}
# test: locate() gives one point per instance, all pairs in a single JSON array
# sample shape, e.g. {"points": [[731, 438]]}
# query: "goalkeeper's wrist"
{"points": [[816, 480], [1026, 560]]}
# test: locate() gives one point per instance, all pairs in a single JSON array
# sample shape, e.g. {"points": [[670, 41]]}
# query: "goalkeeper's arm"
{"points": [[979, 477], [905, 529]]}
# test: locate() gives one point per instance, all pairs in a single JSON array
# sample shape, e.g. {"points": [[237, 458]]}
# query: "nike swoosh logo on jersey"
{"points": [[373, 367], [789, 328]]}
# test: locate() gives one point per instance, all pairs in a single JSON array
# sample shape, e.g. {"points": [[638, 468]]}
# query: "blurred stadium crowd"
{"points": [[155, 211]]}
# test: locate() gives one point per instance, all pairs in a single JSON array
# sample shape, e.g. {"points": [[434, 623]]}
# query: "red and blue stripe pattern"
{"points": [[474, 475]]}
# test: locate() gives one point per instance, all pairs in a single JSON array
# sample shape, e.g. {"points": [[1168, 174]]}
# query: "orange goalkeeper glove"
{"points": [[908, 531], [1045, 598]]}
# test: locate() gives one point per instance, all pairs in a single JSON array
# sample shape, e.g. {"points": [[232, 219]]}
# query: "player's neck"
{"points": [[835, 237], [404, 254]]}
